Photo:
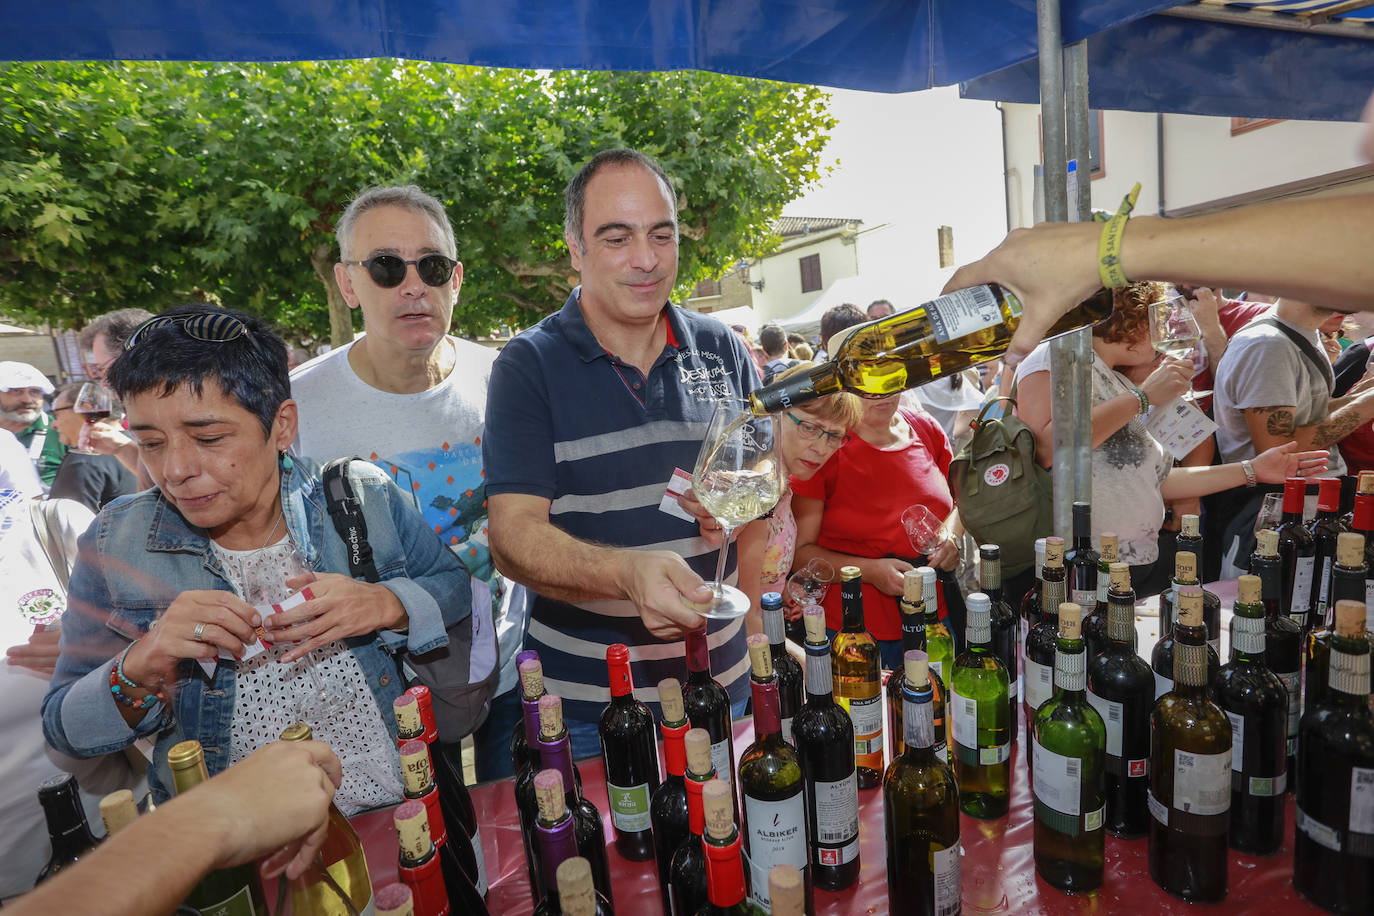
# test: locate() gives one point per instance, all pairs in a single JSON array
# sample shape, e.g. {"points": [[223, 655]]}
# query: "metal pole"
{"points": [[1076, 102]]}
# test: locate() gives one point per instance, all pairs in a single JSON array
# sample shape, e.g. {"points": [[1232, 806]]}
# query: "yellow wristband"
{"points": [[1109, 243]]}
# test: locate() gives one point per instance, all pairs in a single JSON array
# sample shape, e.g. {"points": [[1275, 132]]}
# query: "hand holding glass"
{"points": [[93, 402], [924, 529], [1174, 331]]}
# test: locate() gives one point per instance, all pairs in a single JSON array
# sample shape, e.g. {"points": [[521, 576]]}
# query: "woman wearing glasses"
{"points": [[218, 606]]}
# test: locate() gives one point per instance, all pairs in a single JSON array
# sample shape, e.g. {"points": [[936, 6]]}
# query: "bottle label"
{"points": [[1202, 782], [1369, 603], [1157, 810], [777, 836], [1237, 741], [1292, 682], [629, 806], [948, 884], [867, 715], [1162, 685], [239, 904], [837, 819], [1324, 587], [964, 712], [1267, 786], [1058, 782], [787, 731], [1103, 583], [963, 312], [1039, 683], [1085, 598], [1302, 586], [1111, 714], [481, 860], [720, 759], [1361, 800], [939, 669], [1014, 690], [1321, 834]]}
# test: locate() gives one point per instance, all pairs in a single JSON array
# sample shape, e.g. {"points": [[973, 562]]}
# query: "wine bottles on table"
{"points": [[1186, 573], [1347, 583], [668, 810], [687, 874], [1325, 526], [68, 833], [770, 778], [727, 889], [1069, 740], [1095, 622], [557, 845], [555, 752], [857, 674], [940, 644], [708, 707], [1004, 631], [529, 688], [912, 607], [825, 742], [1030, 601], [1362, 522], [1335, 777], [630, 755], [236, 889], [937, 338], [791, 692], [1121, 687], [921, 809], [1162, 656], [978, 713], [1297, 556], [1081, 560], [1190, 771], [455, 860], [1256, 703], [1283, 638], [418, 866], [1044, 633]]}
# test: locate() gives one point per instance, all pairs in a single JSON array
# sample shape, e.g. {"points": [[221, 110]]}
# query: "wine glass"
{"points": [[808, 584], [1270, 512], [94, 403], [924, 529], [738, 477], [1174, 331]]}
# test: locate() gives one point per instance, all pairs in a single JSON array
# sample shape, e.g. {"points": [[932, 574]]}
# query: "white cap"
{"points": [[21, 375]]}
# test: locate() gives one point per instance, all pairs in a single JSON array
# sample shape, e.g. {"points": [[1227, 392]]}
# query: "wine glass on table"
{"points": [[1174, 332], [94, 403], [738, 477]]}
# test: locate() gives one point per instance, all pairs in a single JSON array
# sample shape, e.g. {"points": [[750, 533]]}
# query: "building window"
{"points": [[810, 273], [944, 238], [1242, 125]]}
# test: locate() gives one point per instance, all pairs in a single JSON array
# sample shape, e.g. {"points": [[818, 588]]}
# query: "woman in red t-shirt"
{"points": [[850, 512]]}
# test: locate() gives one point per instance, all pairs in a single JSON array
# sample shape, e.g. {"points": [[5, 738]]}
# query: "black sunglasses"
{"points": [[389, 270], [213, 327]]}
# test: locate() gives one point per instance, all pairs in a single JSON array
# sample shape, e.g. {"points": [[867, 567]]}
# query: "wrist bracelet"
{"points": [[1144, 400], [1249, 468], [118, 683], [1109, 268]]}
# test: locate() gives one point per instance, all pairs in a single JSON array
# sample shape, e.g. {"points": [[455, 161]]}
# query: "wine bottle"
{"points": [[687, 874], [1095, 623], [1186, 573], [454, 860], [727, 890], [1362, 522], [1282, 637], [921, 809], [555, 752], [237, 889], [1256, 703], [1324, 528], [1162, 656], [825, 741], [912, 607], [1081, 560], [857, 679], [940, 644], [418, 865], [708, 706], [1297, 554], [1121, 687], [1030, 602], [530, 687], [1069, 740], [68, 833], [791, 689], [668, 810], [527, 809], [1335, 777], [770, 779], [556, 834], [934, 340], [577, 894], [978, 712], [1190, 537], [1190, 771], [1347, 581], [395, 900], [117, 811], [787, 890], [1044, 634], [1004, 630], [630, 755]]}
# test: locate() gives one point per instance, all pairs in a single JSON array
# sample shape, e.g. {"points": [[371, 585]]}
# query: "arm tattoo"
{"points": [[1334, 429], [1279, 422]]}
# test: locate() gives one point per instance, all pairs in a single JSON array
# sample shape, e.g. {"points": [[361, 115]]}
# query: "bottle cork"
{"points": [[1070, 620], [760, 656], [786, 894], [1350, 618], [1248, 591], [576, 892], [550, 717], [670, 698], [548, 792], [849, 572], [1189, 602], [1185, 566], [117, 811], [697, 741], [395, 900], [1366, 482], [1108, 541], [1121, 576], [407, 711], [1349, 549], [911, 586], [412, 830], [916, 666], [718, 809], [415, 767], [813, 618], [1054, 551], [297, 732], [1191, 528], [1267, 542], [531, 678]]}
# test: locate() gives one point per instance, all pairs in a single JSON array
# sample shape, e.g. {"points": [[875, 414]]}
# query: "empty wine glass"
{"points": [[738, 477], [924, 529], [94, 403], [1270, 512], [1174, 331], [809, 583]]}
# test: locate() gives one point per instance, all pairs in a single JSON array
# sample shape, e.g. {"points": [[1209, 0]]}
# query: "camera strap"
{"points": [[347, 515]]}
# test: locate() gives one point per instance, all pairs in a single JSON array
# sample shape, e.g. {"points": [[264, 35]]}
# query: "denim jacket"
{"points": [[140, 553]]}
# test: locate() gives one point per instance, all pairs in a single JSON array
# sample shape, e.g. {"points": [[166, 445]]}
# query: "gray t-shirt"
{"points": [[1262, 367]]}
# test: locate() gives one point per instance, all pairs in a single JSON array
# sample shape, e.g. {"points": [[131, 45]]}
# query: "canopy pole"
{"points": [[1076, 103]]}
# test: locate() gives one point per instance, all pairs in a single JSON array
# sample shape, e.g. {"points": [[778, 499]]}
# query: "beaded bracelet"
{"points": [[1144, 400], [118, 681], [1109, 268]]}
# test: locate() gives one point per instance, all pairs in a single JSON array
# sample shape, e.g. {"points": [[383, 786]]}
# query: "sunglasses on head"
{"points": [[212, 327], [389, 270]]}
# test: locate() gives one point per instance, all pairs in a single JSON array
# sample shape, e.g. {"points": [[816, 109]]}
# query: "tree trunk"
{"points": [[340, 315]]}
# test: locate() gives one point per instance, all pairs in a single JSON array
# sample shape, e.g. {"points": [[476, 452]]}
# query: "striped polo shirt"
{"points": [[572, 423]]}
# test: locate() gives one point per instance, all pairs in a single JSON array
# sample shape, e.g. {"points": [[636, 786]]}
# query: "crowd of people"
{"points": [[517, 498]]}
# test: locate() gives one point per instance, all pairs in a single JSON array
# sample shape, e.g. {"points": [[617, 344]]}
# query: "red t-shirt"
{"points": [[865, 490]]}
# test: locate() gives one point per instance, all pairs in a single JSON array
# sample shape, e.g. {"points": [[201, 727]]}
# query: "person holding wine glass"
{"points": [[219, 605], [85, 475]]}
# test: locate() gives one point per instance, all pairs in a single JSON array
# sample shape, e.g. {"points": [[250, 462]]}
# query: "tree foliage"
{"points": [[126, 184]]}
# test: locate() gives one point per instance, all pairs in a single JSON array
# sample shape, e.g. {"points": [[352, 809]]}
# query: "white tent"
{"points": [[860, 291]]}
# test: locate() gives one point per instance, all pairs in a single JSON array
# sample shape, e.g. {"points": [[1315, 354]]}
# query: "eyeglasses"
{"points": [[388, 270], [810, 431], [212, 327]]}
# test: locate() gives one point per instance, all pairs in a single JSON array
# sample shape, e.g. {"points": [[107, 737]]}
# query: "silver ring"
{"points": [[198, 634]]}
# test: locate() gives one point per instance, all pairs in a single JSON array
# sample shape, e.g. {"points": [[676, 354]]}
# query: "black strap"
{"points": [[347, 514], [1308, 349]]}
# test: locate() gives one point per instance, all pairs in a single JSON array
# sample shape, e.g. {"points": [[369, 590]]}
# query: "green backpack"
{"points": [[1004, 497]]}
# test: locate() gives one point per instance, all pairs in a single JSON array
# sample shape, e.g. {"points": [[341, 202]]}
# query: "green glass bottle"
{"points": [[979, 715], [939, 640], [1069, 741], [856, 667], [1044, 634]]}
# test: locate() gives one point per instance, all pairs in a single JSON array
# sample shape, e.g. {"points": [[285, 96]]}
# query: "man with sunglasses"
{"points": [[410, 397]]}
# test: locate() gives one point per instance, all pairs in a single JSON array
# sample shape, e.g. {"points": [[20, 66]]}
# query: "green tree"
{"points": [[147, 183]]}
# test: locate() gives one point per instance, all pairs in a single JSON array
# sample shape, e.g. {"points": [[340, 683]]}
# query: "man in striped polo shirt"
{"points": [[588, 414]]}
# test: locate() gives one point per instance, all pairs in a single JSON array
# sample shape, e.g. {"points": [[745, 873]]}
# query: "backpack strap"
{"points": [[1308, 349], [347, 515]]}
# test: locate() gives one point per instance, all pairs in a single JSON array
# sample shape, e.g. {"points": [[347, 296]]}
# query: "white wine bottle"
{"points": [[933, 340]]}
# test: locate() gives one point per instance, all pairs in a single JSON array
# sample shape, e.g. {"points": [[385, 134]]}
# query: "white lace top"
{"points": [[327, 690]]}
